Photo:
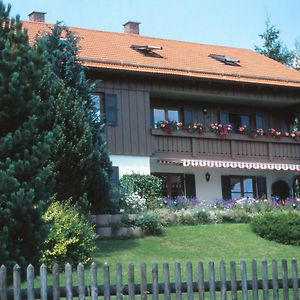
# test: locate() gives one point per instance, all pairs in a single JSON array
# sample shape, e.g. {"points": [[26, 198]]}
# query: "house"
{"points": [[144, 81]]}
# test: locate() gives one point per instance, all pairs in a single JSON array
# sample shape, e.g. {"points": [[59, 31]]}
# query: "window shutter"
{"points": [[261, 186], [259, 121], [224, 117], [111, 112], [188, 116], [114, 178], [226, 189], [190, 186]]}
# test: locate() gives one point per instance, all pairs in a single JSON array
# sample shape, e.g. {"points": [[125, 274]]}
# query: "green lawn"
{"points": [[188, 243], [194, 243]]}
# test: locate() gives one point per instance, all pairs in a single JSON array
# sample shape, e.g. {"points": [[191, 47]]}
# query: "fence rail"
{"points": [[193, 287]]}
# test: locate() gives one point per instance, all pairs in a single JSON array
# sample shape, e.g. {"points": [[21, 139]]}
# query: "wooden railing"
{"points": [[235, 282], [235, 146]]}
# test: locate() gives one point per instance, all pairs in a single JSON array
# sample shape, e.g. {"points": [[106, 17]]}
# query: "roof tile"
{"points": [[102, 49]]}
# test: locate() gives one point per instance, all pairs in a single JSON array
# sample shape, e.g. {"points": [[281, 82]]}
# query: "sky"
{"points": [[234, 23]]}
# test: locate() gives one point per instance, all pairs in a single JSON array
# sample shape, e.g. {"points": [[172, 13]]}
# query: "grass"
{"points": [[195, 243], [188, 243]]}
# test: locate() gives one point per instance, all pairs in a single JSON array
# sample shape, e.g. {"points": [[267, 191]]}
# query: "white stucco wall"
{"points": [[129, 164], [212, 190]]}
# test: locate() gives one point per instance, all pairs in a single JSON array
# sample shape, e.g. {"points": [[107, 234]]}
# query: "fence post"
{"points": [[285, 286], [55, 282], [44, 285], [30, 282], [144, 291], [275, 280], [178, 281], [155, 294], [201, 286], [223, 280], [3, 283], [131, 293], [106, 284], [69, 283], [265, 279], [254, 280], [244, 280], [166, 276], [81, 283], [94, 284], [212, 280], [295, 279], [233, 280], [189, 281], [119, 283], [17, 282]]}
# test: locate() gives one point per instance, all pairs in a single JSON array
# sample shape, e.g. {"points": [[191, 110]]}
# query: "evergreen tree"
{"points": [[25, 175], [80, 155], [272, 46]]}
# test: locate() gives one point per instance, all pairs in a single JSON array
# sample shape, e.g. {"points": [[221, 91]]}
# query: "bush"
{"points": [[193, 217], [235, 215], [166, 216], [133, 203], [278, 226], [186, 217], [145, 185], [203, 217], [71, 236], [150, 224]]}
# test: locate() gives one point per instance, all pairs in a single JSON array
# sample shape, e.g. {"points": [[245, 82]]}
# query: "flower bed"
{"points": [[223, 130]]}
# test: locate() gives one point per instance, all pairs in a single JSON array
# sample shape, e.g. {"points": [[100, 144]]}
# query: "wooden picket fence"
{"points": [[193, 287]]}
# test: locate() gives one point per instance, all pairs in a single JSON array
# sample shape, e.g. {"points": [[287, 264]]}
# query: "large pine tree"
{"points": [[272, 47], [80, 155], [25, 174]]}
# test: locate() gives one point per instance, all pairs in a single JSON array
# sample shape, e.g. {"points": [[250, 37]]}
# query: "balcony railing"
{"points": [[235, 146]]}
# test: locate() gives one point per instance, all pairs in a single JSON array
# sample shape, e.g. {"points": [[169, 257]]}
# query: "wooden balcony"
{"points": [[181, 144]]}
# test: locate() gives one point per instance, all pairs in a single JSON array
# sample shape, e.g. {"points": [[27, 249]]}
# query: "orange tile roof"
{"points": [[111, 50]]}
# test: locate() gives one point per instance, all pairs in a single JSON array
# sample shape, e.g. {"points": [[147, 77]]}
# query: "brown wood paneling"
{"points": [[118, 129], [125, 122], [141, 122], [133, 125]]}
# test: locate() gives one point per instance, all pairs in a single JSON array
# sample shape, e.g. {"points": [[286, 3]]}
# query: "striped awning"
{"points": [[239, 165]]}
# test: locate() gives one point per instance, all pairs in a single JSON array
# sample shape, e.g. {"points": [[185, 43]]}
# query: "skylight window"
{"points": [[147, 50], [227, 60]]}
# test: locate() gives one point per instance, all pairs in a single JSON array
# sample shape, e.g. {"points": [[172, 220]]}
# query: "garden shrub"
{"points": [[278, 226], [133, 203], [186, 217], [235, 215], [71, 237], [203, 217], [150, 224], [166, 216], [145, 185]]}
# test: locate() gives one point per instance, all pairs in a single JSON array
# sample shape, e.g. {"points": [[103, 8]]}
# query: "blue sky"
{"points": [[224, 22]]}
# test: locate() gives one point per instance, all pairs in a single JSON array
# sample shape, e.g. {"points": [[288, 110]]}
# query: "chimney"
{"points": [[132, 27], [37, 16]]}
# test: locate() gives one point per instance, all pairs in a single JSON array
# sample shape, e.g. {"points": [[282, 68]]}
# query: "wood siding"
{"points": [[237, 147], [134, 134]]}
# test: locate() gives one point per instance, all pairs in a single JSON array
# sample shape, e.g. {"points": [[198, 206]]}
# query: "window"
{"points": [[98, 103], [237, 119], [177, 184], [236, 187], [169, 114], [106, 105], [241, 187]]}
